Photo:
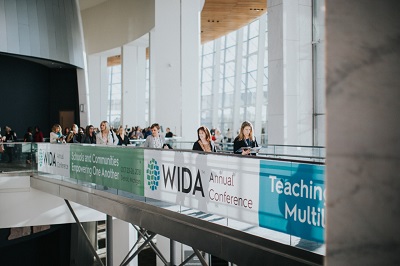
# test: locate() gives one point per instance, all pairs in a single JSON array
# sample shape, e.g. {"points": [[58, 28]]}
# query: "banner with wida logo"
{"points": [[207, 182], [54, 159]]}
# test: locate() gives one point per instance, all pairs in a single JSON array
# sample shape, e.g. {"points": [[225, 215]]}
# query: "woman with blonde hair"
{"points": [[245, 140], [204, 142], [55, 134], [106, 136]]}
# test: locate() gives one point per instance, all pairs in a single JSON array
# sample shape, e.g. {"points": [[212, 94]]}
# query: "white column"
{"points": [[98, 80], [216, 82], [84, 100], [290, 72], [124, 237], [260, 77], [190, 66], [133, 85], [174, 67], [363, 129], [238, 83]]}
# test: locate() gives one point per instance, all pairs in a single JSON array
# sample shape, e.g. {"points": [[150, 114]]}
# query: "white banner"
{"points": [[54, 159], [226, 186]]}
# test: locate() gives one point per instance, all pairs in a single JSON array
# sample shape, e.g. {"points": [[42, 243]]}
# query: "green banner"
{"points": [[120, 168]]}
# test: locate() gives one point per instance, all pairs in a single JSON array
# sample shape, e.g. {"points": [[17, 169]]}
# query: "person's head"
{"points": [[168, 129], [7, 129], [246, 131], [37, 129], [56, 128], [74, 128], [89, 130], [203, 133], [104, 127], [155, 129], [29, 130], [121, 131]]}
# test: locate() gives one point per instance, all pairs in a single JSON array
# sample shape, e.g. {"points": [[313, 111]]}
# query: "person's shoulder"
{"points": [[236, 139]]}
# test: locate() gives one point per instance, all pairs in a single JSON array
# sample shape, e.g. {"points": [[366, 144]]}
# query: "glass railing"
{"points": [[18, 156], [292, 152], [22, 156]]}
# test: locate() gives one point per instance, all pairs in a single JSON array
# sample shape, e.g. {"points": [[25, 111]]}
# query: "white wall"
{"points": [[112, 24]]}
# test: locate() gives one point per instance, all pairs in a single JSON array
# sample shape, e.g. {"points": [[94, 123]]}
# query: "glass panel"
{"points": [[253, 45], [206, 102], [252, 79], [252, 65], [231, 39], [230, 53], [244, 50], [229, 85], [245, 32], [207, 74], [208, 48], [230, 69], [208, 60], [222, 42], [206, 88], [254, 28], [251, 114]]}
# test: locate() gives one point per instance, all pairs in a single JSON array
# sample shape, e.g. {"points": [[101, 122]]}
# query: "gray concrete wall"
{"points": [[363, 132]]}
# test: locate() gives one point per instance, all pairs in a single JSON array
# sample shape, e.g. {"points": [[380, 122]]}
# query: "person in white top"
{"points": [[55, 134], [106, 136]]}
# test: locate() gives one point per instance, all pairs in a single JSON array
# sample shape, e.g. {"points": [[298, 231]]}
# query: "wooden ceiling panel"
{"points": [[220, 17]]}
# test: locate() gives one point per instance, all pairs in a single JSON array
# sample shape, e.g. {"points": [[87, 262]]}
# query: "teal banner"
{"points": [[119, 168], [292, 199]]}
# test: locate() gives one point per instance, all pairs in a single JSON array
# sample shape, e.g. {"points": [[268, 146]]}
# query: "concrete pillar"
{"points": [[290, 72], [363, 129], [174, 66]]}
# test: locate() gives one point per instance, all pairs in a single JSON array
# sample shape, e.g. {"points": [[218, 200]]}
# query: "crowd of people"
{"points": [[208, 140]]}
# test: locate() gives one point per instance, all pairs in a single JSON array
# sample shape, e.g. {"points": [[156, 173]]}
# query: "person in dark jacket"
{"points": [[89, 136], [122, 138], [245, 140], [204, 142]]}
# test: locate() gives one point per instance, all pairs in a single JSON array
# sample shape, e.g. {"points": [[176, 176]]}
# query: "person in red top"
{"points": [[38, 136]]}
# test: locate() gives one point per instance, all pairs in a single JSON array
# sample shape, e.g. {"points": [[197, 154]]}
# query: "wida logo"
{"points": [[183, 174], [49, 158], [153, 174]]}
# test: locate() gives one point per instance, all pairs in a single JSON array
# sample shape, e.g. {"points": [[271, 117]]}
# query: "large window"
{"points": [[229, 79], [114, 96]]}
